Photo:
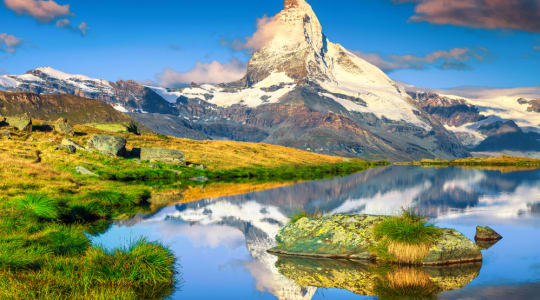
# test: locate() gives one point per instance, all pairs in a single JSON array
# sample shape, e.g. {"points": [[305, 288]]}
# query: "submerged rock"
{"points": [[486, 233], [163, 155], [20, 122], [369, 279], [352, 237], [108, 144]]}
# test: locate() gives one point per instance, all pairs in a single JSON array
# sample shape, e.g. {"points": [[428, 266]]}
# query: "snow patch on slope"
{"points": [[169, 96], [7, 82]]}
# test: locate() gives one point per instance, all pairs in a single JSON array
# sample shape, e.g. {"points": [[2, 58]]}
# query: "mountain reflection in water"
{"points": [[237, 231]]}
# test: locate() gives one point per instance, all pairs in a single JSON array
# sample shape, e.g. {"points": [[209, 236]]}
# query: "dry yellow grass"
{"points": [[408, 253], [408, 277]]}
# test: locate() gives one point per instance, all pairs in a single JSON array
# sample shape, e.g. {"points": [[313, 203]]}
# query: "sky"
{"points": [[427, 43]]}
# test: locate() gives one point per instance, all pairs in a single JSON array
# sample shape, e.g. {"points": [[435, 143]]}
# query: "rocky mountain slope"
{"points": [[304, 91], [123, 95], [51, 107]]}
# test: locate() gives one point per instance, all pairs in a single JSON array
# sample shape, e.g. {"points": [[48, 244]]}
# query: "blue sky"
{"points": [[140, 39]]}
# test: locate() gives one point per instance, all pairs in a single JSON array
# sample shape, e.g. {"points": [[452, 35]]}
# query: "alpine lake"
{"points": [[221, 242]]}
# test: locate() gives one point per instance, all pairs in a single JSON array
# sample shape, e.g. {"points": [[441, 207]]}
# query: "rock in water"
{"points": [[108, 144], [485, 233], [163, 155], [21, 122], [62, 126], [352, 237]]}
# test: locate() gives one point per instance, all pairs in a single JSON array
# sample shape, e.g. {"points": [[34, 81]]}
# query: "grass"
{"points": [[405, 239], [503, 162], [305, 214], [405, 283], [47, 209]]}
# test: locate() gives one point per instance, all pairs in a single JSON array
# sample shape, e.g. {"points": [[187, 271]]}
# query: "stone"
{"points": [[199, 179], [3, 121], [84, 171], [107, 144], [163, 155], [200, 167], [486, 233], [69, 143], [20, 122], [62, 126], [68, 148], [6, 134], [352, 237], [125, 127]]}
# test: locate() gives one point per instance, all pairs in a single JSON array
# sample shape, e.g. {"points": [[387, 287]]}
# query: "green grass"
{"points": [[408, 228]]}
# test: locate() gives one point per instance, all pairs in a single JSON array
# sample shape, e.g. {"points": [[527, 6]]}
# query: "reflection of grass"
{"points": [[405, 283], [406, 238]]}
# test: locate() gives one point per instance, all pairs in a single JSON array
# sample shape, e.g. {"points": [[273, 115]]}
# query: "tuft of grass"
{"points": [[302, 213], [67, 241], [408, 228], [39, 205], [405, 239]]}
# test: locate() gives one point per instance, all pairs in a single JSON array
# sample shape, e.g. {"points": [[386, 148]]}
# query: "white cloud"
{"points": [[9, 43], [43, 11], [213, 72]]}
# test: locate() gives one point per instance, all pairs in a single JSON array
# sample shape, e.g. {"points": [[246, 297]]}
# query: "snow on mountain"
{"points": [[299, 51]]}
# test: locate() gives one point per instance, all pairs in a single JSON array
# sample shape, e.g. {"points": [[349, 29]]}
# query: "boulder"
{"points": [[69, 143], [62, 126], [84, 171], [352, 237], [20, 122], [124, 127], [199, 179], [163, 155], [485, 233], [107, 144]]}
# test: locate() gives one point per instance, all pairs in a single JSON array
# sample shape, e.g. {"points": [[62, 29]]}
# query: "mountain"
{"points": [[51, 107], [310, 93], [123, 95], [302, 90], [487, 120]]}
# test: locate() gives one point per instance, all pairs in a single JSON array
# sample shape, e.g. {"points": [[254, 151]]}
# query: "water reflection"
{"points": [[231, 227]]}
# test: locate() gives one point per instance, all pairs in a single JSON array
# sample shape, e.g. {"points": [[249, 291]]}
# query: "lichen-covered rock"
{"points": [[352, 237], [69, 143], [107, 144], [124, 127], [369, 279], [62, 126], [163, 155], [486, 233], [20, 122]]}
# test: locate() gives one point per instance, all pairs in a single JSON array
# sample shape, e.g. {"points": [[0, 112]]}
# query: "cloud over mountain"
{"points": [[213, 72], [453, 59], [490, 14]]}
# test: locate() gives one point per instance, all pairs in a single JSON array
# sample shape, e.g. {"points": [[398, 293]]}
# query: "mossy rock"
{"points": [[163, 155], [108, 144], [20, 122], [370, 279], [486, 233], [352, 237], [116, 127], [62, 126]]}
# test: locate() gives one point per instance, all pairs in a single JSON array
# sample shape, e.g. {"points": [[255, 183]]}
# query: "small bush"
{"points": [[407, 228], [40, 206]]}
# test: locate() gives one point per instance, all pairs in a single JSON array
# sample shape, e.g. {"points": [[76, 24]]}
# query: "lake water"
{"points": [[221, 243]]}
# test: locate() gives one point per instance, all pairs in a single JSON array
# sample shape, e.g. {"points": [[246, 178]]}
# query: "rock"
{"points": [[369, 279], [6, 134], [352, 237], [116, 127], [62, 126], [484, 245], [163, 155], [485, 233], [69, 148], [3, 121], [107, 144], [21, 122], [69, 143], [84, 171], [199, 178], [200, 167]]}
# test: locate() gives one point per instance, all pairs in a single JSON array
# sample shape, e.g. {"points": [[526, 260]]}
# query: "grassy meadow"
{"points": [[47, 209]]}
